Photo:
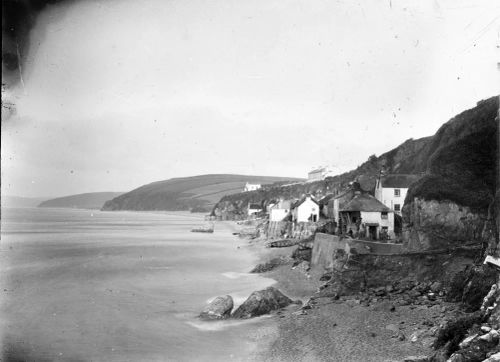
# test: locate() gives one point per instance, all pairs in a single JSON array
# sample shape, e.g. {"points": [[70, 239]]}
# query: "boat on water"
{"points": [[203, 229]]}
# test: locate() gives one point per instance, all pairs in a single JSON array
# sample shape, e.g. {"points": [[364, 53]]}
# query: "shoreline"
{"points": [[339, 330]]}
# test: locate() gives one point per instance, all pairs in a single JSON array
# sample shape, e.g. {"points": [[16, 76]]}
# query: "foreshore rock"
{"points": [[271, 264], [262, 302], [219, 308]]}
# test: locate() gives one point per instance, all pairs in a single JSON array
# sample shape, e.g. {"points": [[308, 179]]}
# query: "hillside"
{"points": [[196, 193], [19, 201], [92, 200], [459, 163]]}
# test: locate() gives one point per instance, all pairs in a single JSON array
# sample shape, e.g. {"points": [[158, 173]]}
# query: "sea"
{"points": [[87, 285]]}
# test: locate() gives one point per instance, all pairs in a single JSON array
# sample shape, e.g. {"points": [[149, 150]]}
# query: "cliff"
{"points": [[450, 205], [196, 193], [91, 200]]}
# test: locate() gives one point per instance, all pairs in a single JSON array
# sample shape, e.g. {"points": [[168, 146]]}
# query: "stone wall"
{"points": [[279, 229]]}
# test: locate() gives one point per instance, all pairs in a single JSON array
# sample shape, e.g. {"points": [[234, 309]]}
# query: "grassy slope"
{"points": [[462, 159], [185, 193], [91, 200]]}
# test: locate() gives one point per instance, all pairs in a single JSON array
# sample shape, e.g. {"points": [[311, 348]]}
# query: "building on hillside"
{"points": [[320, 173], [305, 210], [254, 209], [280, 210], [341, 199], [365, 217], [391, 190], [251, 187]]}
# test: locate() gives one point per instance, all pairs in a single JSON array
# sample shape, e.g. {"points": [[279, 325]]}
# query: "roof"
{"points": [[399, 181], [365, 202], [302, 200], [325, 199], [255, 207], [319, 169], [283, 204]]}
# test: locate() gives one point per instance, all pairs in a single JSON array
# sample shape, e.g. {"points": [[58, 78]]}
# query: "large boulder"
{"points": [[262, 302], [219, 308]]}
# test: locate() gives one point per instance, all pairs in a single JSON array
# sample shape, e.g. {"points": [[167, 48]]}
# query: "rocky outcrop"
{"points": [[272, 264], [262, 302], [219, 308], [432, 224]]}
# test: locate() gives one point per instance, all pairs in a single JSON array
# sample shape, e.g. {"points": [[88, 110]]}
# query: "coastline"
{"points": [[338, 330]]}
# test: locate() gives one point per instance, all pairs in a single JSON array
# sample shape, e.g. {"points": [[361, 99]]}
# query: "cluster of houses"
{"points": [[354, 212]]}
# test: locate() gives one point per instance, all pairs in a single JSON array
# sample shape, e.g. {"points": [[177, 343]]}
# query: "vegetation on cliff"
{"points": [[462, 159]]}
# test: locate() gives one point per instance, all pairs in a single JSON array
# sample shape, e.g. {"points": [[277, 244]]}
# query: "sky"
{"points": [[120, 93]]}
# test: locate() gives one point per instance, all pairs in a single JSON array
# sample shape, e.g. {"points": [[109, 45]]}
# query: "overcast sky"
{"points": [[122, 93]]}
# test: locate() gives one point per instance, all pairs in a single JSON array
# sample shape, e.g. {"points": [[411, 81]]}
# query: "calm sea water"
{"points": [[85, 285]]}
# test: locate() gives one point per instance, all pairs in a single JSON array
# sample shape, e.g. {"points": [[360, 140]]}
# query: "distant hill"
{"points": [[18, 201], [91, 200], [196, 193]]}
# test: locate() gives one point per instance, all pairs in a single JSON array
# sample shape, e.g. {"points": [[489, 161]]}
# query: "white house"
{"points": [[251, 187], [320, 173], [306, 209], [365, 216], [280, 210], [391, 190], [254, 209]]}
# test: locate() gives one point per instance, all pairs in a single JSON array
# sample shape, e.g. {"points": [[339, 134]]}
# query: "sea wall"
{"points": [[326, 246]]}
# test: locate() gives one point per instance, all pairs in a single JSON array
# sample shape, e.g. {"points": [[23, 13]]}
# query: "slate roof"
{"points": [[365, 202], [284, 204], [325, 199], [399, 181], [301, 201]]}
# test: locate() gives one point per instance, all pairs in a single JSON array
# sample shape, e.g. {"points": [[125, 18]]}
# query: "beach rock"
{"points": [[436, 287], [262, 302], [392, 327], [219, 308], [416, 359], [493, 358], [467, 341]]}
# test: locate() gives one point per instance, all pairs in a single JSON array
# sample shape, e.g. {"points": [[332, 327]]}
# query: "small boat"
{"points": [[203, 229]]}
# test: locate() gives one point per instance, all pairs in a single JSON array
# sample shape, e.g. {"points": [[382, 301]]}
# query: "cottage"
{"points": [[338, 201], [391, 190], [366, 217], [279, 211], [306, 209], [254, 209], [251, 187]]}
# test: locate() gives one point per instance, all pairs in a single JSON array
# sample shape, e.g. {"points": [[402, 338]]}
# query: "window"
{"points": [[397, 207], [397, 192], [384, 215]]}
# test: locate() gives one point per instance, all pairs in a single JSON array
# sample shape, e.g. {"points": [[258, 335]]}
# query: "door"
{"points": [[372, 231]]}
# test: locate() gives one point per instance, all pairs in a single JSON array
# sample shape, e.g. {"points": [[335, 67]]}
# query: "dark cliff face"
{"points": [[453, 203]]}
